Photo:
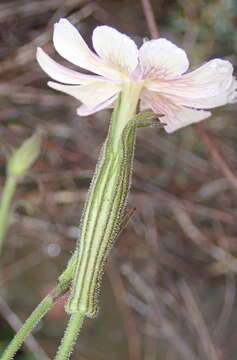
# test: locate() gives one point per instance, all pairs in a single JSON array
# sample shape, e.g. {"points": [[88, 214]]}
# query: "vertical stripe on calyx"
{"points": [[103, 213]]}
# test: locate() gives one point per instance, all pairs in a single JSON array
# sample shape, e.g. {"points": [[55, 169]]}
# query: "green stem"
{"points": [[70, 336], [127, 107], [33, 319], [8, 191]]}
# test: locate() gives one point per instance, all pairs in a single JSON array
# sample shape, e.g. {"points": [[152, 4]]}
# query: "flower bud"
{"points": [[22, 158]]}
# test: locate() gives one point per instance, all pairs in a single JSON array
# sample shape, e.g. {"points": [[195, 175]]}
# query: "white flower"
{"points": [[177, 99]]}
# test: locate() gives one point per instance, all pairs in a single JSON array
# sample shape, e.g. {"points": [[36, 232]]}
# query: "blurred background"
{"points": [[169, 290]]}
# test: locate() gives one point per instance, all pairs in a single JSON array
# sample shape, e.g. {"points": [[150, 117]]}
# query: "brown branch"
{"points": [[200, 325], [150, 18], [216, 155], [134, 346]]}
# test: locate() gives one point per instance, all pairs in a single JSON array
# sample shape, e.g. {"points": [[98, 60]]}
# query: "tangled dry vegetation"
{"points": [[170, 287]]}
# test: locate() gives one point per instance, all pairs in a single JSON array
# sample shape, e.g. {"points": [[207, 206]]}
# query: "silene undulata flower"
{"points": [[124, 78], [157, 69]]}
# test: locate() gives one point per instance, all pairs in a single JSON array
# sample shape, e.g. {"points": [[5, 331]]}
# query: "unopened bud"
{"points": [[22, 158]]}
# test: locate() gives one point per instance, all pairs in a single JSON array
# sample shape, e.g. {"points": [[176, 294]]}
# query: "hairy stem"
{"points": [[106, 203], [70, 336]]}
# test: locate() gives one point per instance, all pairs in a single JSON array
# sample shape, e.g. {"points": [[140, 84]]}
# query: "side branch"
{"points": [[33, 319]]}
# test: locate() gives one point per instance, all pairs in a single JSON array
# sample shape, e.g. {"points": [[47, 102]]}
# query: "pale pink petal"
{"points": [[115, 48], [162, 59], [61, 73], [84, 110], [224, 97], [183, 117], [170, 112], [210, 80], [70, 45], [213, 77], [159, 103], [211, 102], [92, 94]]}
